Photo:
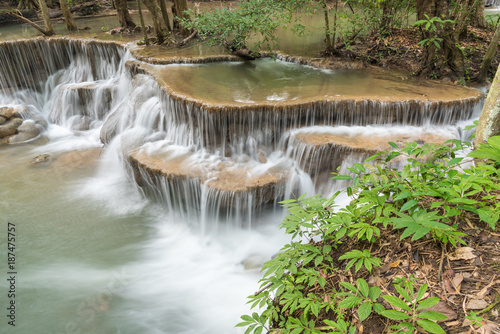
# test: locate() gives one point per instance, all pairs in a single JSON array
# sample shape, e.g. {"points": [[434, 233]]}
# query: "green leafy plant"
{"points": [[361, 296], [255, 323], [490, 151], [412, 306], [360, 258], [302, 290], [475, 320], [431, 26]]}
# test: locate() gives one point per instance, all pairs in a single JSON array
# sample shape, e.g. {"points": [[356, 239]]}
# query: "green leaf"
{"points": [[421, 291], [377, 307], [250, 329], [430, 326], [247, 318], [374, 293], [363, 286], [349, 286], [453, 162], [350, 302], [431, 315], [396, 302], [403, 292], [342, 177], [428, 302], [395, 315], [403, 195], [359, 167], [364, 310], [244, 324], [408, 205]]}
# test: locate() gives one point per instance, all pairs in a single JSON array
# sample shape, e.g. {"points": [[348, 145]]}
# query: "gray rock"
{"points": [[26, 131], [10, 127], [2, 120], [12, 112], [41, 122], [40, 159], [110, 127]]}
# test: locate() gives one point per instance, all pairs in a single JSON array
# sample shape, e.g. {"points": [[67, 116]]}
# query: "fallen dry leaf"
{"points": [[395, 264], [490, 328], [476, 304], [444, 308], [462, 253], [457, 281], [449, 286], [484, 291]]}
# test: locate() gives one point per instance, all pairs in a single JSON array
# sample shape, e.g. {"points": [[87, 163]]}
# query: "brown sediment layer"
{"points": [[365, 143], [226, 178], [319, 153]]}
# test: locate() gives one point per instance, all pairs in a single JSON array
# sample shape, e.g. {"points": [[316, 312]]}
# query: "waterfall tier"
{"points": [[188, 143]]}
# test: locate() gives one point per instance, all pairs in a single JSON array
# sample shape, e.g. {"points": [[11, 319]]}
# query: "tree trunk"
{"points": [[489, 122], [123, 14], [488, 58], [180, 7], [153, 9], [46, 19], [27, 4], [164, 14], [143, 26], [479, 20], [329, 46], [68, 18], [446, 60]]}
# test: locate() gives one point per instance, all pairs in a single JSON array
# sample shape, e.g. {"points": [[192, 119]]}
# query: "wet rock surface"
{"points": [[14, 130], [225, 177], [40, 159], [319, 153]]}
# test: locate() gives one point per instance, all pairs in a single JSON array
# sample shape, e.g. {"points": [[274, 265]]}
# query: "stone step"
{"points": [[184, 175], [324, 150]]}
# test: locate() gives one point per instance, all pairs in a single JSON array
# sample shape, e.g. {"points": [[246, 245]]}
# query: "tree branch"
{"points": [[34, 25]]}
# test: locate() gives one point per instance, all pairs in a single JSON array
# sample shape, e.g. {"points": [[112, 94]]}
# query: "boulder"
{"points": [[10, 127], [12, 112], [3, 120], [26, 131]]}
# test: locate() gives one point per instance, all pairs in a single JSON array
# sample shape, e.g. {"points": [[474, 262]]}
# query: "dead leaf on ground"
{"points": [[457, 281], [444, 308], [449, 286], [395, 264], [484, 291], [476, 304], [462, 253], [490, 328]]}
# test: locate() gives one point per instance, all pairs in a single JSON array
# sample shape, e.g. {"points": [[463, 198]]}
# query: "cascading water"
{"points": [[184, 261]]}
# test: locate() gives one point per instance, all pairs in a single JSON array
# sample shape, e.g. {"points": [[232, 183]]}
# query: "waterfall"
{"points": [[213, 163]]}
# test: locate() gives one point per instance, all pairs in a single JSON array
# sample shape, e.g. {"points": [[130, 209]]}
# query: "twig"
{"points": [[489, 307], [440, 272], [267, 286], [34, 25], [187, 39]]}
